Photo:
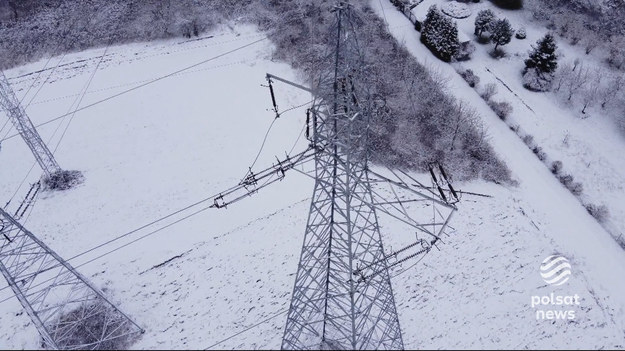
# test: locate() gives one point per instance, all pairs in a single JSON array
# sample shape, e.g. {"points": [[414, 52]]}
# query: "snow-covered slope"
{"points": [[584, 143], [569, 229], [169, 144]]}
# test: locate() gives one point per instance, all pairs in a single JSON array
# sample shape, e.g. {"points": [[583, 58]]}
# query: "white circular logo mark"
{"points": [[555, 270]]}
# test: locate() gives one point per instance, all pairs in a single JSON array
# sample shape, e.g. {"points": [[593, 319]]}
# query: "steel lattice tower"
{"points": [[26, 129], [331, 308], [342, 296], [68, 311]]}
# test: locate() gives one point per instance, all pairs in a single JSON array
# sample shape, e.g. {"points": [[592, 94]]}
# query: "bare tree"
{"points": [[13, 6], [459, 118], [162, 15], [616, 57], [489, 91], [563, 74], [590, 93], [615, 86], [576, 32], [576, 81], [590, 41], [576, 63]]}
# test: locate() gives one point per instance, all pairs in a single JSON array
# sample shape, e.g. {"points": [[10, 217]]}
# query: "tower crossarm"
{"points": [[254, 181]]}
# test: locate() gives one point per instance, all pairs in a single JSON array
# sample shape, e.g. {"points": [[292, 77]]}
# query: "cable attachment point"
{"points": [[443, 183], [273, 96], [219, 202], [250, 179], [280, 171]]}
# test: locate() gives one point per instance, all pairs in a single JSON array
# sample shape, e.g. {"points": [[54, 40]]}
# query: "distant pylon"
{"points": [[68, 311], [24, 126]]}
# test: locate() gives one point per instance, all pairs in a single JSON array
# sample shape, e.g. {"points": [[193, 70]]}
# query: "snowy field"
{"points": [[167, 145]]}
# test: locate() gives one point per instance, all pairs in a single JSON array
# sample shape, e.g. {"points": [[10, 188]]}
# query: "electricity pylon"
{"points": [[67, 310], [24, 126], [342, 296]]}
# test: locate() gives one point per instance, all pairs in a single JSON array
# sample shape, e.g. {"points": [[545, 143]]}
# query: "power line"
{"points": [[81, 98], [147, 83], [111, 97], [117, 248], [281, 312], [159, 219], [262, 146], [139, 238], [38, 90], [132, 83], [45, 81]]}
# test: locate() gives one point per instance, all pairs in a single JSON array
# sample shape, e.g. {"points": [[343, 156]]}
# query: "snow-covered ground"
{"points": [[587, 147], [169, 144], [569, 228]]}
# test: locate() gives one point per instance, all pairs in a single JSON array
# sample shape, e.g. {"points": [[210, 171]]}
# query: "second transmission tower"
{"points": [[24, 126]]}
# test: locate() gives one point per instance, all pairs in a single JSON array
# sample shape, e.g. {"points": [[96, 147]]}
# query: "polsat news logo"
{"points": [[555, 270]]}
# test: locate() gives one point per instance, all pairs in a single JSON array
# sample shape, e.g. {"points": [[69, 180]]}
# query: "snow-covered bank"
{"points": [[569, 228]]}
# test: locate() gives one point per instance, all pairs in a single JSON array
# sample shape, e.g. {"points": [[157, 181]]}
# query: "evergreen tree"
{"points": [[484, 21], [440, 34], [502, 32], [544, 57], [430, 24]]}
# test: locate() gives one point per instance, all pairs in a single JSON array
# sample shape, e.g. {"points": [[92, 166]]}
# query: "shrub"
{"points": [[470, 78], [465, 51], [86, 325], [535, 80], [538, 151], [502, 109], [621, 241], [528, 140], [489, 91], [417, 26], [576, 188], [600, 213], [62, 180], [566, 180], [556, 167], [521, 34]]}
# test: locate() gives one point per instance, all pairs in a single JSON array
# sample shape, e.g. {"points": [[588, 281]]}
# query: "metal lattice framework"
{"points": [[68, 311], [342, 297], [26, 129]]}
